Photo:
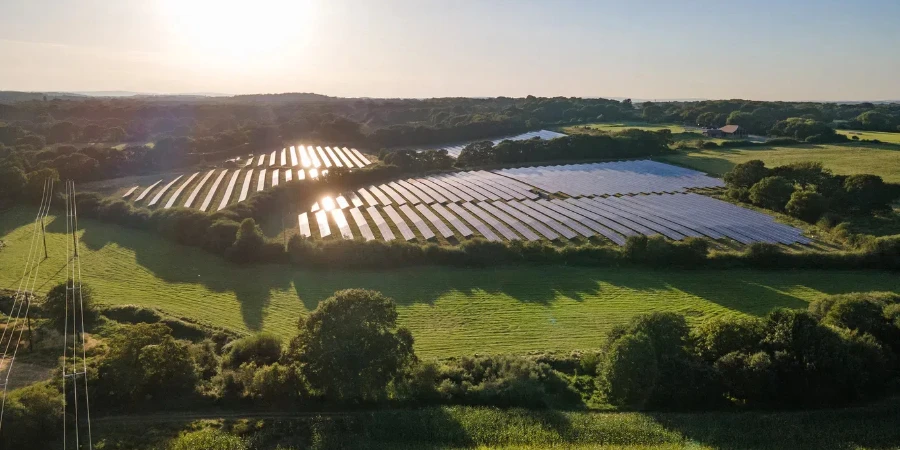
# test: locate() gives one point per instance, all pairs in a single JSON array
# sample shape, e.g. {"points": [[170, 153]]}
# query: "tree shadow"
{"points": [[863, 427]]}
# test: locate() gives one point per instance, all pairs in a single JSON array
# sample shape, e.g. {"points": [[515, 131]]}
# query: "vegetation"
{"points": [[841, 350], [503, 309], [842, 159]]}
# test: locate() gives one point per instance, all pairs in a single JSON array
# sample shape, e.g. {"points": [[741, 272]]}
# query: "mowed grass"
{"points": [[622, 126], [846, 159], [892, 138], [450, 311]]}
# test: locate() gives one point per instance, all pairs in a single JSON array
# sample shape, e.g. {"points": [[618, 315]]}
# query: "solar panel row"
{"points": [[621, 177]]}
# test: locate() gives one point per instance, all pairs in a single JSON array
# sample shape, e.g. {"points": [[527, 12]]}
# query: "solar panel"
{"points": [[304, 225], [147, 191], [359, 155], [450, 187], [531, 221], [323, 156], [380, 195], [646, 225], [304, 157], [262, 159], [435, 220], [284, 157], [393, 194], [417, 221], [180, 190], [246, 186], [660, 225], [557, 206], [130, 191], [301, 174], [440, 189], [526, 207], [230, 189], [288, 175], [343, 157], [452, 220], [367, 197], [198, 188], [260, 184], [511, 221], [294, 159], [272, 158], [612, 216], [486, 185], [404, 192], [315, 159], [341, 221], [467, 187], [342, 202], [494, 223], [398, 221], [322, 220], [362, 224], [383, 227], [249, 161], [574, 205], [651, 214], [163, 191], [353, 158], [416, 192], [475, 223], [275, 177], [212, 191], [337, 162], [649, 203], [313, 174]]}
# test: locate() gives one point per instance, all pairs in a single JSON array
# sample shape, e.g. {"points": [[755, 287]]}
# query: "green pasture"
{"points": [[450, 311]]}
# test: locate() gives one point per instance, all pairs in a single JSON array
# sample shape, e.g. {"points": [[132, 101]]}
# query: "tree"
{"points": [[745, 175], [248, 244], [807, 205], [651, 112], [771, 193], [350, 347], [629, 372], [261, 349], [716, 338], [12, 181], [868, 193], [58, 305], [875, 120], [34, 188]]}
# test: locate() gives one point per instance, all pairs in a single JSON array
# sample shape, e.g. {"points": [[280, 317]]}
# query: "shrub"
{"points": [[276, 383], [868, 193], [771, 193], [57, 305], [31, 413], [261, 349], [740, 194], [716, 338], [746, 174], [208, 439], [807, 205], [629, 372]]}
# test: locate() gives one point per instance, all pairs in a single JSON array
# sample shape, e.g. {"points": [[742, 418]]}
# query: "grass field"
{"points": [[892, 138], [848, 159], [450, 311], [483, 428]]}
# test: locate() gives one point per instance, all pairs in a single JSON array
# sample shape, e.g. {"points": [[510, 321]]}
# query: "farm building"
{"points": [[727, 131]]}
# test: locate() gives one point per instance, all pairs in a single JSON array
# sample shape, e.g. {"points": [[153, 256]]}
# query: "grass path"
{"points": [[847, 159], [450, 311]]}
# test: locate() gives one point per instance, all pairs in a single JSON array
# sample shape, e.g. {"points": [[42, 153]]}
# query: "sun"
{"points": [[237, 33]]}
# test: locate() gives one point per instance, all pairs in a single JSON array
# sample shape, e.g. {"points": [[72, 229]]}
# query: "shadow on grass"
{"points": [[747, 291], [864, 427]]}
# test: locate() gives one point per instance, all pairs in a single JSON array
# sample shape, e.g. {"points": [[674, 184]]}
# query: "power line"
{"points": [[26, 294]]}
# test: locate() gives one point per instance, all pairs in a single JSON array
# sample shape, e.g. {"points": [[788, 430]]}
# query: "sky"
{"points": [[644, 49]]}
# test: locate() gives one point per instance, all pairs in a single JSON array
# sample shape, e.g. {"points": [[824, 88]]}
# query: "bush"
{"points": [[58, 309], [261, 349], [276, 383], [746, 174], [868, 193], [31, 415], [716, 338], [771, 193], [807, 205], [629, 372], [208, 439]]}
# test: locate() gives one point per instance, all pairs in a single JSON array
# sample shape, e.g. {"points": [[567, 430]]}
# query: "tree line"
{"points": [[350, 353]]}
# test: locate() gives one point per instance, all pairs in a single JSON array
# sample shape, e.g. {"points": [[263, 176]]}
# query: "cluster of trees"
{"points": [[192, 130], [808, 191], [759, 117], [844, 349], [351, 352]]}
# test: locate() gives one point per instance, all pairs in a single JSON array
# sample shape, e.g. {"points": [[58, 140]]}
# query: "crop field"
{"points": [[450, 311], [847, 159]]}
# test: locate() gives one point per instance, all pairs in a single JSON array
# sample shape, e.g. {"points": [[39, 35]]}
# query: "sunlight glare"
{"points": [[238, 33]]}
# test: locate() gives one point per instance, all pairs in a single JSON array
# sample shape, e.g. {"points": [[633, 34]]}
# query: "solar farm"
{"points": [[215, 189], [602, 201]]}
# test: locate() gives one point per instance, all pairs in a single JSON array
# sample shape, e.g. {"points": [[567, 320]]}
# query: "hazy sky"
{"points": [[767, 50]]}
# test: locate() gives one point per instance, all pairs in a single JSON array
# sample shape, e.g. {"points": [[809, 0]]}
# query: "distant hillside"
{"points": [[290, 97], [16, 96]]}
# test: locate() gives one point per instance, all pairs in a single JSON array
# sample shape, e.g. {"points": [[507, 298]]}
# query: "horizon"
{"points": [[800, 51]]}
